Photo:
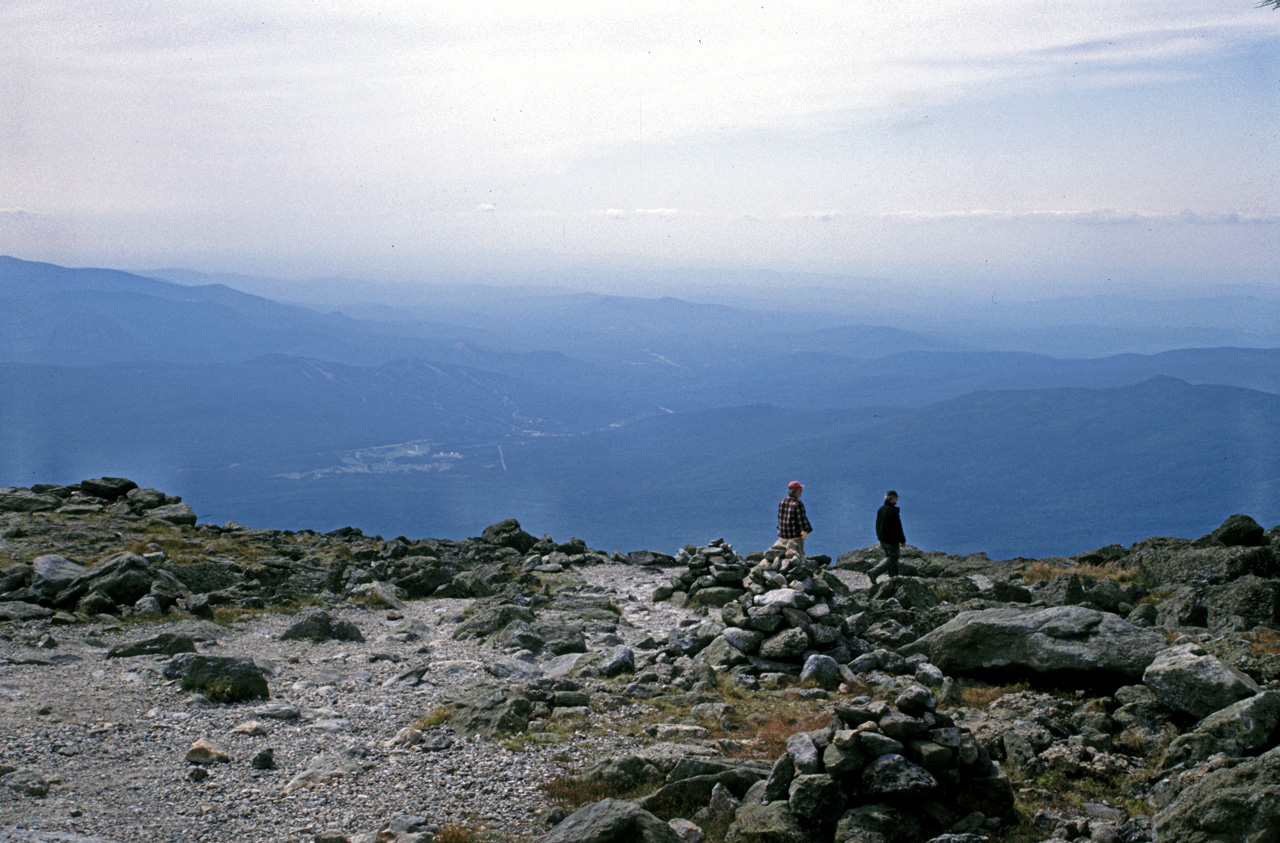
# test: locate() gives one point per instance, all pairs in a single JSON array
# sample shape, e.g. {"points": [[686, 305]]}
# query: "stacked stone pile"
{"points": [[712, 575], [882, 768], [780, 613], [879, 772]]}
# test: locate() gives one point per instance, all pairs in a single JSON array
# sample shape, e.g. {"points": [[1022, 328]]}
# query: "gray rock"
{"points": [[721, 654], [624, 773], [778, 783], [1239, 803], [814, 797], [508, 534], [26, 783], [1244, 728], [174, 513], [746, 640], [17, 610], [1189, 679], [611, 821], [876, 823], [716, 595], [1063, 641], [804, 754], [1240, 531], [621, 660], [787, 645], [22, 500], [822, 671], [225, 679], [894, 776], [53, 568], [489, 711], [318, 625], [166, 644], [770, 822], [109, 488], [520, 635]]}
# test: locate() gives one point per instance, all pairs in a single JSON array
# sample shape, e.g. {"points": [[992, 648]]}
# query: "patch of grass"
{"points": [[572, 793], [946, 594], [373, 600], [435, 718], [981, 695], [1056, 791], [1157, 596], [228, 615], [1263, 641], [766, 737], [458, 834], [1040, 571]]}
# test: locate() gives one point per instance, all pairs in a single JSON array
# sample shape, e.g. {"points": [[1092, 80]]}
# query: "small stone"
{"points": [[253, 728], [205, 751]]}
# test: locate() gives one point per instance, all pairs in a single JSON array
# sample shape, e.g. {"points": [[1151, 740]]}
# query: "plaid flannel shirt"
{"points": [[791, 519]]}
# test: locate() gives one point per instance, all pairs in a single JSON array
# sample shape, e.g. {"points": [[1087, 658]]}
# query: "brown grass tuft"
{"points": [[1263, 641]]}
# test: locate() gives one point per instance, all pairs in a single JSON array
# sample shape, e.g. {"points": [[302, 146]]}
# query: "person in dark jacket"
{"points": [[890, 535]]}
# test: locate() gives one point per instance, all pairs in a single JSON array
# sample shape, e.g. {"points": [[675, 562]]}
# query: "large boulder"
{"points": [[1243, 728], [174, 513], [24, 500], [611, 821], [1231, 805], [508, 534], [318, 625], [226, 679], [109, 488], [1240, 531], [489, 711], [770, 822], [1188, 679], [1063, 642]]}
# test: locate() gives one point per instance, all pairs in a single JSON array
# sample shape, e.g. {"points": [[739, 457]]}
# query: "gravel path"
{"points": [[110, 736]]}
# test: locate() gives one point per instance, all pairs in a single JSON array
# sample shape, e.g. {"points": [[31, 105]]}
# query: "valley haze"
{"points": [[1032, 428]]}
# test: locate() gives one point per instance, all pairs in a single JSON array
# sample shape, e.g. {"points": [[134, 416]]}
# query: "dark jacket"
{"points": [[889, 525]]}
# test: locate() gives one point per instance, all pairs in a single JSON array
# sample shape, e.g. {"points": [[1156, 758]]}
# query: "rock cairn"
{"points": [[881, 768], [782, 613]]}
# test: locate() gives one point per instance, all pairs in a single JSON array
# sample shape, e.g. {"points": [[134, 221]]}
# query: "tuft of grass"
{"points": [[572, 793], [946, 594], [435, 718], [768, 735], [980, 695], [458, 834], [1263, 641], [1039, 571], [1157, 596]]}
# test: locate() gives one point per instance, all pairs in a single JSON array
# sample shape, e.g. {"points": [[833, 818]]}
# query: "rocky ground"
{"points": [[109, 737], [505, 687]]}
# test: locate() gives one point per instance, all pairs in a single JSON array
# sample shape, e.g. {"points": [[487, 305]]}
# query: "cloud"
{"points": [[486, 208], [1095, 216]]}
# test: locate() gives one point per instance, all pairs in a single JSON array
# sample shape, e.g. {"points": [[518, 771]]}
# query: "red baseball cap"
{"points": [[795, 484]]}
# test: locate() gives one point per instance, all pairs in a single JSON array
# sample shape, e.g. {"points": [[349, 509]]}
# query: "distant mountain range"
{"points": [[631, 422]]}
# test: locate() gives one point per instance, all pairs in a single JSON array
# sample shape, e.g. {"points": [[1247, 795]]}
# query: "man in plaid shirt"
{"points": [[793, 524]]}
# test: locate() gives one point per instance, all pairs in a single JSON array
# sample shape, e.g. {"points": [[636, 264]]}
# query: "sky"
{"points": [[1034, 142]]}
